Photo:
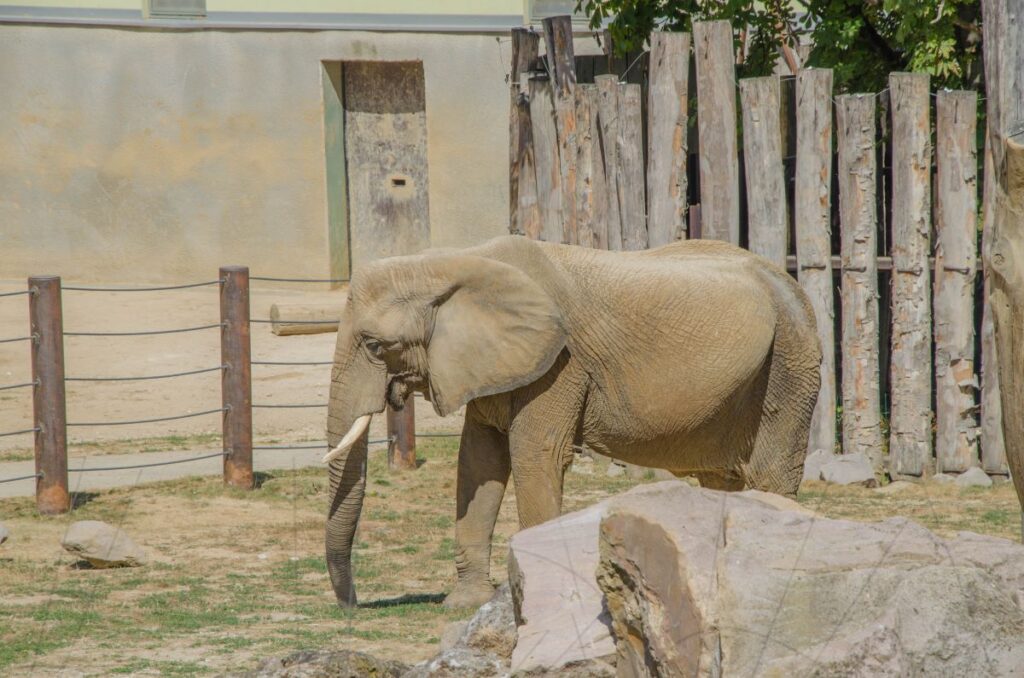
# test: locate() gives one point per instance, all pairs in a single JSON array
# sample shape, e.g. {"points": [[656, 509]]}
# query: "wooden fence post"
{"points": [[666, 137], [608, 121], [716, 122], [545, 157], [993, 447], [236, 378], [591, 203], [910, 421], [522, 177], [956, 202], [562, 65], [630, 172], [766, 177], [862, 430], [402, 434], [812, 210], [48, 402]]}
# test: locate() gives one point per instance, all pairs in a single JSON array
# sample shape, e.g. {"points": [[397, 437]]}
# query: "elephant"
{"points": [[697, 357]]}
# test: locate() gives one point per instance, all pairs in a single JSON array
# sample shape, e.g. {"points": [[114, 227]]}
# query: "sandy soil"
{"points": [[137, 356]]}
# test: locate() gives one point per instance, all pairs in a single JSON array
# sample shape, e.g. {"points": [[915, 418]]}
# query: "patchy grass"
{"points": [[236, 576]]}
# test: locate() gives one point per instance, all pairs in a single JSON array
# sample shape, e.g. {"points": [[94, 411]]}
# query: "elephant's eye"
{"points": [[374, 347]]}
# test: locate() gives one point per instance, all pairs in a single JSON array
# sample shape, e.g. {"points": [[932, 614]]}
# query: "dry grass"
{"points": [[236, 576]]}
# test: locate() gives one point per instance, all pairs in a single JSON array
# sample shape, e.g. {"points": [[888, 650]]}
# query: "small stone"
{"points": [[895, 487], [320, 664], [5, 534], [849, 469], [616, 470], [943, 478], [813, 463], [974, 477], [102, 545]]}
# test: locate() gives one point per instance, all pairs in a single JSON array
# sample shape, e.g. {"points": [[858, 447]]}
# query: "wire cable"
{"points": [[158, 463], [146, 421], [142, 333], [15, 294], [263, 406], [274, 362], [142, 289], [153, 376], [9, 387], [298, 280], [7, 341], [18, 433], [11, 480]]}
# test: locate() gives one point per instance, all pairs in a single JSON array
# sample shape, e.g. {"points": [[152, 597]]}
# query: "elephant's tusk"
{"points": [[358, 428]]}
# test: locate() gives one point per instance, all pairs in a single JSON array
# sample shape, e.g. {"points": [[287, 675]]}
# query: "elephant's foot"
{"points": [[469, 595]]}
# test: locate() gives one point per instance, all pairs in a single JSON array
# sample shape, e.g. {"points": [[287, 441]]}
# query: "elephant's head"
{"points": [[450, 325]]}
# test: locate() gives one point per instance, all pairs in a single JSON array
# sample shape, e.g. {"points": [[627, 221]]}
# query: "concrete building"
{"points": [[156, 140]]}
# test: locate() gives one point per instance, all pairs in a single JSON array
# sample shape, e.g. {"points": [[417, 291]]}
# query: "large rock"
{"points": [[102, 545], [559, 608], [704, 583], [326, 664], [561, 611], [849, 469]]}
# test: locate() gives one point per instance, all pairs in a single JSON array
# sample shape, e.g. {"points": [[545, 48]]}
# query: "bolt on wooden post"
{"points": [[236, 377], [402, 433], [51, 436]]}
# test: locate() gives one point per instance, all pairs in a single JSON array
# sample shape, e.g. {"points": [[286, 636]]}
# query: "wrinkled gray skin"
{"points": [[697, 357]]}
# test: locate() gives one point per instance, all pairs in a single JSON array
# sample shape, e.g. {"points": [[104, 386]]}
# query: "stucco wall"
{"points": [[132, 154]]}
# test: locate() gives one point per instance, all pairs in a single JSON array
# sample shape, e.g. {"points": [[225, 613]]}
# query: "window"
{"points": [[175, 9], [542, 9]]}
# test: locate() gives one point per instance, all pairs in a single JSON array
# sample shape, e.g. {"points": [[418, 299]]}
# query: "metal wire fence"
{"points": [[47, 341]]}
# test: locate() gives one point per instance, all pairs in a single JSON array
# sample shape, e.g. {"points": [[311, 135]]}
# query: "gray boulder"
{"points": [[703, 583], [813, 463], [973, 477], [943, 478], [5, 534], [326, 664], [102, 545], [849, 469]]}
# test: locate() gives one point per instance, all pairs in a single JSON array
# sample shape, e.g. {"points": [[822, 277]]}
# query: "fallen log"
{"points": [[289, 319]]}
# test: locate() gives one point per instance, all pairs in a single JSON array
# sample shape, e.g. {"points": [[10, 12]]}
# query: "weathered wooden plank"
{"points": [[562, 61], [630, 171], [762, 152], [608, 121], [910, 421], [525, 45], [666, 137], [591, 201], [545, 157], [1004, 84], [526, 217], [862, 432], [993, 447], [812, 209], [956, 204], [716, 122]]}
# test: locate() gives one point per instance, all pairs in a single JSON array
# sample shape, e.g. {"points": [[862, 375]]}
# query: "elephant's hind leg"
{"points": [[484, 469], [777, 461]]}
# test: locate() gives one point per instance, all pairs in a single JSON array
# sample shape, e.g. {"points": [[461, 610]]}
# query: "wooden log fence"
{"points": [[900, 252]]}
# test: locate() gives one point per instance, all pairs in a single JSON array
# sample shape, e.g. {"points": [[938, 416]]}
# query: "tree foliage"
{"points": [[862, 41]]}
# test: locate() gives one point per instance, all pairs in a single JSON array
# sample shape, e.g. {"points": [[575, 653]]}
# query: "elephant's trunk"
{"points": [[357, 390]]}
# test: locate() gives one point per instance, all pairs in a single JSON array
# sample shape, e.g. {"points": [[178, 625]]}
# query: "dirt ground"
{"points": [[161, 354]]}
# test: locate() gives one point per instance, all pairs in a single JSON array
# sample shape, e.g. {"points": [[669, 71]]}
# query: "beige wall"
{"points": [[133, 154]]}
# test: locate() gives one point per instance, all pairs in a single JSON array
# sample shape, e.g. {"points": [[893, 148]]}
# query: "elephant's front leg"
{"points": [[483, 474]]}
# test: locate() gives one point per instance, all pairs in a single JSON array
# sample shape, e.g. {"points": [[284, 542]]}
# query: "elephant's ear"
{"points": [[494, 330]]}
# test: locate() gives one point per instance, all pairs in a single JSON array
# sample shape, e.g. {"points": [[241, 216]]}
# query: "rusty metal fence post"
{"points": [[49, 410], [236, 380], [402, 434]]}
